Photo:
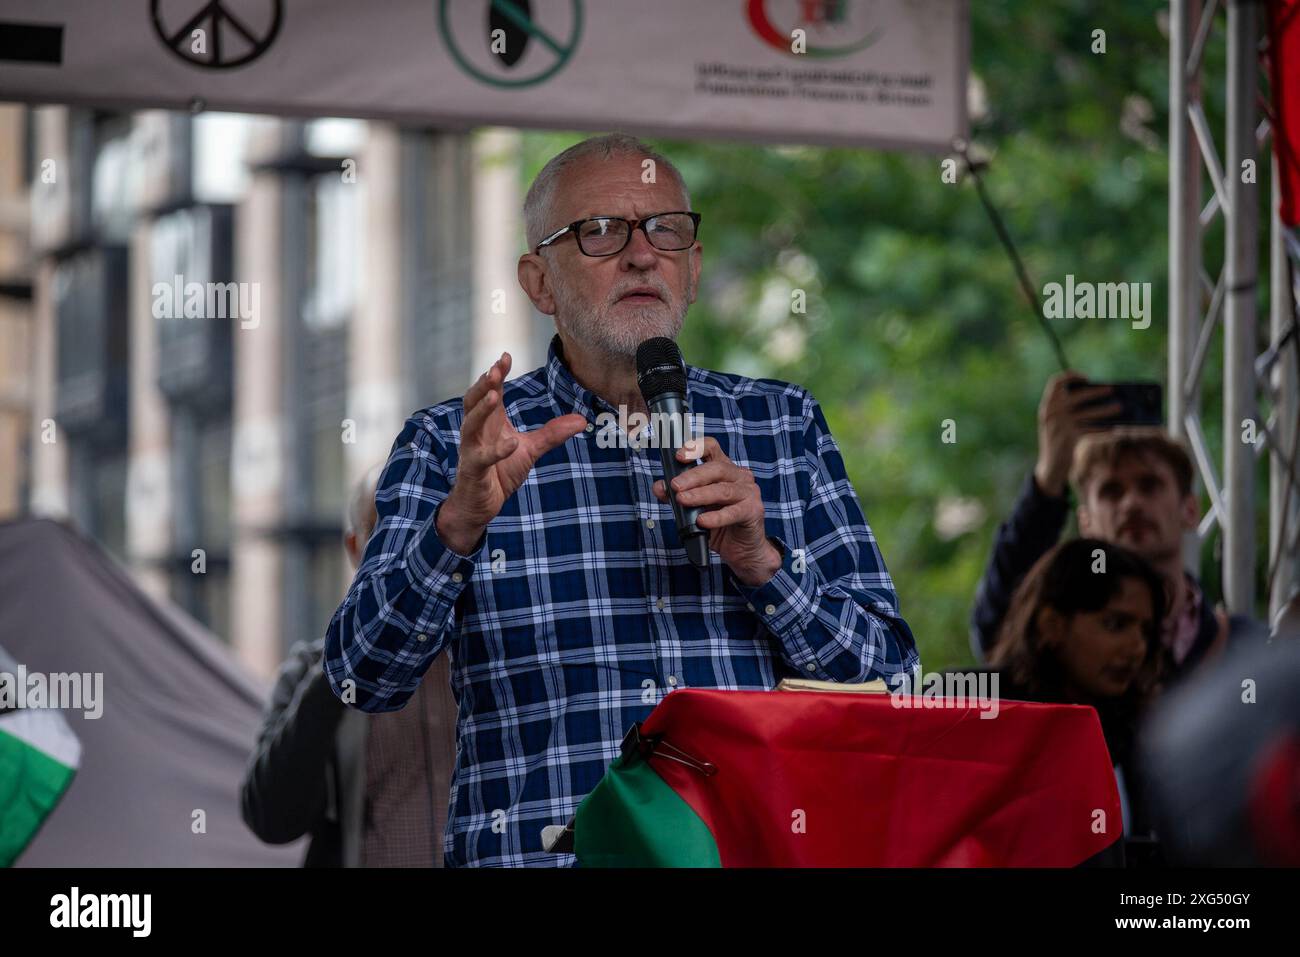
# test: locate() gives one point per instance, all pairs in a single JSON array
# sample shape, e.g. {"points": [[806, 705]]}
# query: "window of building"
{"points": [[195, 372], [321, 283], [333, 250], [89, 290], [112, 190], [437, 266], [219, 172]]}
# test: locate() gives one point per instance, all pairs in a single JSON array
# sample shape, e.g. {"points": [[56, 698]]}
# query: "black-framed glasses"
{"points": [[608, 235]]}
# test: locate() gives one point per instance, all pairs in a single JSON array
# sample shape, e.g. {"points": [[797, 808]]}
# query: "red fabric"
{"points": [[885, 786], [1274, 803], [1284, 56]]}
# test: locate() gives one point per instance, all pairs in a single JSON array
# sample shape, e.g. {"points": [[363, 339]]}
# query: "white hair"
{"points": [[539, 204], [361, 503]]}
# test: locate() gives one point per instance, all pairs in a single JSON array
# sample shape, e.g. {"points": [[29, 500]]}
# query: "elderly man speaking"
{"points": [[546, 562]]}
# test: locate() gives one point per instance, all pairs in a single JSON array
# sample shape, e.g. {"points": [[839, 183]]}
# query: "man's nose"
{"points": [[638, 253], [1131, 501]]}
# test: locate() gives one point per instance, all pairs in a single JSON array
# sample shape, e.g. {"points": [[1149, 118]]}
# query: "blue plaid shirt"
{"points": [[578, 611]]}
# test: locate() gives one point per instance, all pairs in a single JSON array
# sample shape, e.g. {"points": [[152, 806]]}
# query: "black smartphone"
{"points": [[1141, 403]]}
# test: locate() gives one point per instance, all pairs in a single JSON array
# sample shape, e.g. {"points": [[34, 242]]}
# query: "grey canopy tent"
{"points": [[178, 720]]}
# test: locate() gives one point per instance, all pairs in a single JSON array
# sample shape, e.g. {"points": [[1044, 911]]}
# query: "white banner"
{"points": [[886, 73]]}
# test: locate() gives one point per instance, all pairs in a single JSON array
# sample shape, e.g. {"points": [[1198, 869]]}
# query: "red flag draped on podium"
{"points": [[1284, 56], [816, 779]]}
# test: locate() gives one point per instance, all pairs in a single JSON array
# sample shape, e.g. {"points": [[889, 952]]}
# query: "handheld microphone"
{"points": [[661, 376]]}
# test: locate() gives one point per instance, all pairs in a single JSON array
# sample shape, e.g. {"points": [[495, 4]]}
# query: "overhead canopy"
{"points": [[888, 73], [178, 716]]}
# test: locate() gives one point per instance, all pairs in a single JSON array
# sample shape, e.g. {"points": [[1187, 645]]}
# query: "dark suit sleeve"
{"points": [[1034, 527], [285, 788]]}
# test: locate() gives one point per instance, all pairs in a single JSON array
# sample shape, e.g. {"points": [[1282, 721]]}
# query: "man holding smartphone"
{"points": [[1134, 488]]}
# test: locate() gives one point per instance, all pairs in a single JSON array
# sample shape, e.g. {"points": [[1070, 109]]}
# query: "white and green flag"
{"points": [[39, 754]]}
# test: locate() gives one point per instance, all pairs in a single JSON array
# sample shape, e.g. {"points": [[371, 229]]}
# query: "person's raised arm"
{"points": [[1041, 509], [400, 609]]}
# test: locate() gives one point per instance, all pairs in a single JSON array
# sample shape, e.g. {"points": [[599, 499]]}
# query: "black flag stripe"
{"points": [[31, 42]]}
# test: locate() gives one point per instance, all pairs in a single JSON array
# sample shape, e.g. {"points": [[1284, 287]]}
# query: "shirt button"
{"points": [[672, 680], [457, 577], [421, 637], [770, 610], [590, 427], [660, 604], [649, 523], [812, 666], [749, 605]]}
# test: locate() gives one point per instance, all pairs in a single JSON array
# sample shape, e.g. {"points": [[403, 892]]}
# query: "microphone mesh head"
{"points": [[660, 368]]}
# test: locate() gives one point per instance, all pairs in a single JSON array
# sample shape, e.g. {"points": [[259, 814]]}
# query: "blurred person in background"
{"points": [[370, 790], [1222, 753], [1084, 628], [1134, 488]]}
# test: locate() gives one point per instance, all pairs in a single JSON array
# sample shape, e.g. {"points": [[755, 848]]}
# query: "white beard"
{"points": [[615, 337]]}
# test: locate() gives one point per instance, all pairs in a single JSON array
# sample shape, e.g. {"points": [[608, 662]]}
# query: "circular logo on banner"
{"points": [[510, 42], [220, 34], [831, 27]]}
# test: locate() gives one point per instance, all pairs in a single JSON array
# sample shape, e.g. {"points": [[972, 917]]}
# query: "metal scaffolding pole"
{"points": [[1284, 498], [1184, 229], [1232, 298], [1239, 333]]}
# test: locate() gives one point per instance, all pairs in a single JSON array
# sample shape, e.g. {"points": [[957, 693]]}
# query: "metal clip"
{"points": [[662, 748], [656, 746]]}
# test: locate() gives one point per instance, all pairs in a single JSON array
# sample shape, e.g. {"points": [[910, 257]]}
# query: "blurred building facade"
{"points": [[212, 324], [15, 306]]}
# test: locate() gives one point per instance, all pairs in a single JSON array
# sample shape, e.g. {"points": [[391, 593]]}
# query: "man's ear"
{"points": [[694, 265], [350, 546], [533, 279], [1191, 511]]}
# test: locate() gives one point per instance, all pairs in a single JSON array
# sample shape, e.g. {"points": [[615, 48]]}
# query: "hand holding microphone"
{"points": [[716, 504]]}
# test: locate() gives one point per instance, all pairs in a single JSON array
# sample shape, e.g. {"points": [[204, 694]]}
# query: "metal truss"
{"points": [[1231, 300]]}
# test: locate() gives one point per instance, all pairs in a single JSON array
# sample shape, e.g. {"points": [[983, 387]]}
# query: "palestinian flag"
{"points": [[39, 755], [816, 779]]}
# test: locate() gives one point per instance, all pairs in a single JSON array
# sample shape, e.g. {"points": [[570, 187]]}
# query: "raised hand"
{"points": [[495, 458], [1063, 418]]}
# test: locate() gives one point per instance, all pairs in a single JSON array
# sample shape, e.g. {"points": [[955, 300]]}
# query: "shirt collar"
{"points": [[568, 393], [1180, 633]]}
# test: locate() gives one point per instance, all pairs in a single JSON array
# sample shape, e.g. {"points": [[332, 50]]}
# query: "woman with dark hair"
{"points": [[1084, 628]]}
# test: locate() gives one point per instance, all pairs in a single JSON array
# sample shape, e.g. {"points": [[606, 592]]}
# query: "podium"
{"points": [[815, 779]]}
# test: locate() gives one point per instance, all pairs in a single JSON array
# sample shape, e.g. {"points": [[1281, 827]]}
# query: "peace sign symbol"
{"points": [[230, 38]]}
